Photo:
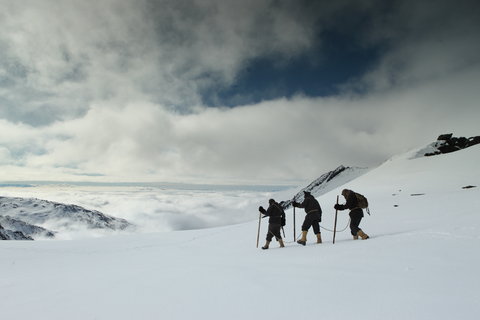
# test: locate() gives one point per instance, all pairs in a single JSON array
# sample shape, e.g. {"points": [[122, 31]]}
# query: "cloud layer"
{"points": [[150, 209], [112, 90]]}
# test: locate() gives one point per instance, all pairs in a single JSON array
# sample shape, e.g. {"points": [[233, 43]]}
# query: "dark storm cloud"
{"points": [[426, 41], [70, 54]]}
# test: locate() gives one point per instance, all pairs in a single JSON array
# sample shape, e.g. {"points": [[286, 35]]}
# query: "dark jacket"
{"points": [[311, 206], [352, 205], [275, 213]]}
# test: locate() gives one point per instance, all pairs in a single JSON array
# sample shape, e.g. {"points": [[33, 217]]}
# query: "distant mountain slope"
{"points": [[26, 215], [328, 182], [29, 230], [6, 234]]}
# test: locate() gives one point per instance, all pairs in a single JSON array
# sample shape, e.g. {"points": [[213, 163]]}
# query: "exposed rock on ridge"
{"points": [[12, 235], [27, 215], [446, 143], [26, 228], [327, 182]]}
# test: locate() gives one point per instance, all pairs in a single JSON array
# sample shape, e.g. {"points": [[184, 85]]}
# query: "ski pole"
{"points": [[335, 225], [283, 232], [294, 234], [258, 232]]}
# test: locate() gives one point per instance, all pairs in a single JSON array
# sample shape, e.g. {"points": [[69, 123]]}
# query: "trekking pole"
{"points": [[258, 232], [283, 232], [335, 224], [294, 234]]}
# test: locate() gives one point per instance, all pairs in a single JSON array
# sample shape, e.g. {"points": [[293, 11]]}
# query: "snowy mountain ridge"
{"points": [[327, 182], [29, 231], [447, 143], [7, 234], [35, 218]]}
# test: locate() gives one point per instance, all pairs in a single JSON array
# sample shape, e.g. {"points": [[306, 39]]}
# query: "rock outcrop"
{"points": [[12, 235], [25, 228], [447, 143]]}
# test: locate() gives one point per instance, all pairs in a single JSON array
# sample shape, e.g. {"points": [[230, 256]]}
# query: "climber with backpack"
{"points": [[275, 222], [355, 202]]}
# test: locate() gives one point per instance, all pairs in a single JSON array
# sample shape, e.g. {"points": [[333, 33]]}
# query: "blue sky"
{"points": [[226, 91], [338, 54], [337, 62]]}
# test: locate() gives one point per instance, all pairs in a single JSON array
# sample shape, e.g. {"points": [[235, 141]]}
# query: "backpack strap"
{"points": [[282, 212]]}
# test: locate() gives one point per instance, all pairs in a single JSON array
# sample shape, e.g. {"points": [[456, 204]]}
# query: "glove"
{"points": [[337, 207], [294, 204], [261, 209]]}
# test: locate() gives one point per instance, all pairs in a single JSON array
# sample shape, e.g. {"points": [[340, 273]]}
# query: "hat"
{"points": [[271, 201], [306, 192]]}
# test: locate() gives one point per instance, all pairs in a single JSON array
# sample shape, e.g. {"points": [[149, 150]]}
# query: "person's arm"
{"points": [[299, 205], [262, 210], [349, 204]]}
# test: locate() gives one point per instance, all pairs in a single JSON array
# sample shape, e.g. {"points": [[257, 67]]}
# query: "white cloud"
{"points": [[277, 140], [97, 81]]}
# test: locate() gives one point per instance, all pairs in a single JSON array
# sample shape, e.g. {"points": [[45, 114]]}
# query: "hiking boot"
{"points": [[355, 237], [280, 241], [303, 240], [363, 235], [267, 244], [319, 237]]}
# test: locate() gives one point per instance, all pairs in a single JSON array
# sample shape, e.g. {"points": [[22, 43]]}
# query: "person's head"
{"points": [[345, 192], [271, 201], [306, 194]]}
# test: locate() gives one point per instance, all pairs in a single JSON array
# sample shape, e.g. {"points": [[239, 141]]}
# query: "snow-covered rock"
{"points": [[12, 235], [327, 182], [447, 143], [37, 217], [27, 229]]}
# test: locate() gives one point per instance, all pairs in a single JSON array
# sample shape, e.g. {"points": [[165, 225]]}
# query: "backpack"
{"points": [[362, 202], [282, 216]]}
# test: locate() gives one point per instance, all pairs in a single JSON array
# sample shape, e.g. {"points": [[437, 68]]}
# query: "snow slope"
{"points": [[422, 261]]}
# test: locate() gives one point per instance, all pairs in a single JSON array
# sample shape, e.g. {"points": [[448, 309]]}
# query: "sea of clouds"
{"points": [[155, 208]]}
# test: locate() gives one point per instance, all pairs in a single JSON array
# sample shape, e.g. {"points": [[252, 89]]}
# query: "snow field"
{"points": [[422, 261]]}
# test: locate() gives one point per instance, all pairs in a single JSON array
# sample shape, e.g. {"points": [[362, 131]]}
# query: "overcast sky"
{"points": [[224, 91]]}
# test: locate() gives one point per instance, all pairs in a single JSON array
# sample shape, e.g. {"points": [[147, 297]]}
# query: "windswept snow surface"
{"points": [[422, 261]]}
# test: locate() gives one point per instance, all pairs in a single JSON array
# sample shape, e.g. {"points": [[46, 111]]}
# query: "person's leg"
{"points": [[269, 237], [276, 232], [316, 230], [307, 223], [354, 223]]}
